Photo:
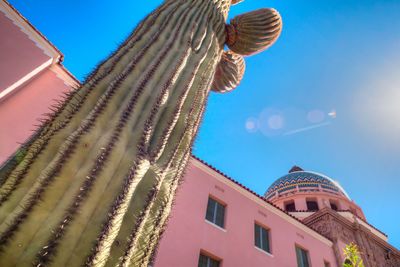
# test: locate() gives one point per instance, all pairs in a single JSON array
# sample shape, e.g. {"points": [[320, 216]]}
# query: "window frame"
{"points": [[297, 246], [268, 231], [214, 220], [209, 256]]}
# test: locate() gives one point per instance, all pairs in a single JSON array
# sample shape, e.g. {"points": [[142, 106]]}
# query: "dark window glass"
{"points": [[261, 238], [334, 206], [312, 205], [205, 261], [290, 206], [215, 212], [302, 257]]}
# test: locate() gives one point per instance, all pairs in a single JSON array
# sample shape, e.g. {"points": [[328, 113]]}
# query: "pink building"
{"points": [[233, 242], [31, 78], [304, 219]]}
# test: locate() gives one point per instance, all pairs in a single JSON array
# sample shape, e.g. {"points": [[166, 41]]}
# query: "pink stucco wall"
{"points": [[20, 111], [188, 232], [19, 55]]}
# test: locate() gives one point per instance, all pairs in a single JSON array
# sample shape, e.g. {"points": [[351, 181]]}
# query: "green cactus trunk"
{"points": [[95, 185]]}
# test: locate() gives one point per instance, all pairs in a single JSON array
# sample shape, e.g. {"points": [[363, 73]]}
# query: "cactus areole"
{"points": [[95, 185]]}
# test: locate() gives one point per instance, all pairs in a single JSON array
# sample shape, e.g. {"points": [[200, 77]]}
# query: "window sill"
{"points": [[263, 251], [216, 226]]}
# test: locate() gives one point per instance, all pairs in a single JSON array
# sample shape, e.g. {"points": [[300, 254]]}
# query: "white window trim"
{"points": [[263, 251], [216, 226]]}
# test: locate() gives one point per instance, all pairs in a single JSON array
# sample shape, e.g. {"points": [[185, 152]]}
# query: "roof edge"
{"points": [[38, 34], [20, 21]]}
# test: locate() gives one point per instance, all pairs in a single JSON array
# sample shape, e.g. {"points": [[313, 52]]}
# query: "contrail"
{"points": [[307, 128]]}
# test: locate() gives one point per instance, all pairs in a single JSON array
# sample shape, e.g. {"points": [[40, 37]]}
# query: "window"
{"points": [[215, 212], [334, 205], [302, 257], [261, 238], [290, 206], [206, 261], [312, 205]]}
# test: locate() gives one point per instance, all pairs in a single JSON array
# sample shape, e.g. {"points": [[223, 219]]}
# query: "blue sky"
{"points": [[334, 57]]}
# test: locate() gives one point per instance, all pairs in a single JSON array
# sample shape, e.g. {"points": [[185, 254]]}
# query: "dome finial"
{"points": [[295, 168]]}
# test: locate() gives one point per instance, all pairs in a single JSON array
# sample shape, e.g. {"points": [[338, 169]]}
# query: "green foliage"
{"points": [[352, 256]]}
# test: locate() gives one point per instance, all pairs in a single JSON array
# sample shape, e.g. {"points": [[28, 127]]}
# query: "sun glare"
{"points": [[377, 108]]}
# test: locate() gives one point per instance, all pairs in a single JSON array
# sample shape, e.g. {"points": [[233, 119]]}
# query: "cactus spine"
{"points": [[95, 185]]}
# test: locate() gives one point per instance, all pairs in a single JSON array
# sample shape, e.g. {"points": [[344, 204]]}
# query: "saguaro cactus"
{"points": [[96, 183]]}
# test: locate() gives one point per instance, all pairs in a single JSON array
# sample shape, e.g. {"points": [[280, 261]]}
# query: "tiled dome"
{"points": [[304, 179]]}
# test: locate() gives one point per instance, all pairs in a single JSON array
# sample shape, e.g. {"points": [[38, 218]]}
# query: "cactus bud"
{"points": [[229, 72], [254, 31]]}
